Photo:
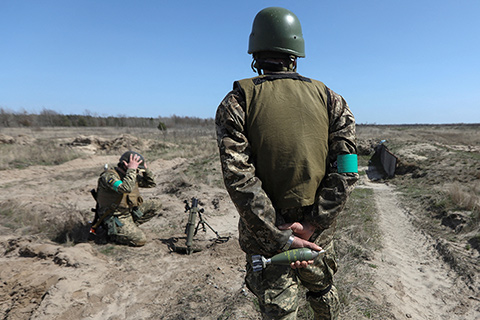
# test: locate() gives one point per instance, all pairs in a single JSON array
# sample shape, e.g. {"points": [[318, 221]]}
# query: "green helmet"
{"points": [[126, 157], [277, 29]]}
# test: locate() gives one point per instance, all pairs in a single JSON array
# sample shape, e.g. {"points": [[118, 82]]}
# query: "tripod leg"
{"points": [[212, 229]]}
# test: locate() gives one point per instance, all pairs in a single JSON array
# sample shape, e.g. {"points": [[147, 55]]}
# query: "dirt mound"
{"points": [[20, 139], [95, 144], [33, 269]]}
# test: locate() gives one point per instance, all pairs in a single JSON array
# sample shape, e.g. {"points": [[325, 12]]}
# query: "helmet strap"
{"points": [[265, 61], [255, 68]]}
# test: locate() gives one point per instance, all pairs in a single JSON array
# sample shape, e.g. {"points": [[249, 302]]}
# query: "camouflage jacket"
{"points": [[114, 187], [258, 232]]}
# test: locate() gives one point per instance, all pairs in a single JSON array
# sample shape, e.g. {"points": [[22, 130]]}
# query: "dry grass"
{"points": [[43, 152], [463, 197], [443, 192], [357, 238], [19, 218], [66, 224], [47, 146], [357, 235]]}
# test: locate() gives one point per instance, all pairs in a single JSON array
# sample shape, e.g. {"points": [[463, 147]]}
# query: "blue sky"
{"points": [[393, 61]]}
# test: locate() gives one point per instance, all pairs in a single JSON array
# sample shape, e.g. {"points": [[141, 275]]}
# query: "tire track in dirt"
{"points": [[411, 280]]}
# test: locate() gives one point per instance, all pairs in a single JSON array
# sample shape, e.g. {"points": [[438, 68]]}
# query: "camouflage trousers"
{"points": [[276, 288], [123, 229]]}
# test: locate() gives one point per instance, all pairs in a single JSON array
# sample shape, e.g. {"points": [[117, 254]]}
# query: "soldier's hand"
{"points": [[302, 243], [300, 264], [133, 162], [302, 230]]}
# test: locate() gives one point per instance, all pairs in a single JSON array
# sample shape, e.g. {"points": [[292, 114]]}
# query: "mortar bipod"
{"points": [[202, 222]]}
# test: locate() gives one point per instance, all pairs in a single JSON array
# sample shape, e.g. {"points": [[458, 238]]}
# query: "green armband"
{"points": [[117, 184], [347, 163]]}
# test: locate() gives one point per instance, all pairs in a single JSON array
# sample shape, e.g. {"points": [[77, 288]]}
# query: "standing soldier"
{"points": [[118, 198], [288, 153]]}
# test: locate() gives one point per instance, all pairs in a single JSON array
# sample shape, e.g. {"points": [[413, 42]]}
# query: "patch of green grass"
{"points": [[363, 160], [108, 250], [412, 190]]}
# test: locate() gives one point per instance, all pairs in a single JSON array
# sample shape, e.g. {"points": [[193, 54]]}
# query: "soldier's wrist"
{"points": [[289, 243]]}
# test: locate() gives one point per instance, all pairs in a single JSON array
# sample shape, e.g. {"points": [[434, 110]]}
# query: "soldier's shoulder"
{"points": [[109, 174], [313, 80], [237, 84]]}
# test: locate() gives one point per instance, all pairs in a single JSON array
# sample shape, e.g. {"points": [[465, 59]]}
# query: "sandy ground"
{"points": [[40, 279], [412, 280]]}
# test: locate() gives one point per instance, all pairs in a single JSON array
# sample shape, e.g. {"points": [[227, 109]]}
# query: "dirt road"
{"points": [[412, 280]]}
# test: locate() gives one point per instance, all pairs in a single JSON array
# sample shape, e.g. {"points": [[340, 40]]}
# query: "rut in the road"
{"points": [[411, 278]]}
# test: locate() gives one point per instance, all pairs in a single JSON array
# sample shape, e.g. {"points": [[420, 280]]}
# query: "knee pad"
{"points": [[318, 294]]}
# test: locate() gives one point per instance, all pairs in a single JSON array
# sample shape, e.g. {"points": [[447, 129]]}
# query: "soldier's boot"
{"points": [[325, 304], [130, 241], [147, 216]]}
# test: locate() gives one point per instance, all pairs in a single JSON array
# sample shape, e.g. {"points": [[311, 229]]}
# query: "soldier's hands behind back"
{"points": [[300, 264], [302, 243], [302, 232]]}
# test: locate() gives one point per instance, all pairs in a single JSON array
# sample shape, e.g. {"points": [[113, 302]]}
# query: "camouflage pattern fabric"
{"points": [[326, 306], [126, 231], [277, 286], [120, 225], [145, 217], [258, 232], [129, 180]]}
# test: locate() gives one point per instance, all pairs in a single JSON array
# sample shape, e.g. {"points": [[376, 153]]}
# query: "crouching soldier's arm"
{"points": [[119, 185], [145, 178]]}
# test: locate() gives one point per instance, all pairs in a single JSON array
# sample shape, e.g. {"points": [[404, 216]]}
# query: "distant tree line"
{"points": [[50, 118]]}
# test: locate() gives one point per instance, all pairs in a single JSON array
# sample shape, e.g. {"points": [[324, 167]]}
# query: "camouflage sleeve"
{"points": [[257, 214], [146, 180], [336, 187], [125, 185]]}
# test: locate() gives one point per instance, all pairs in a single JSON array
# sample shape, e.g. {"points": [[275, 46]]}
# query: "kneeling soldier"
{"points": [[118, 195]]}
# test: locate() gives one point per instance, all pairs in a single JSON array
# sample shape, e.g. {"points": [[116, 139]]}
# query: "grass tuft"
{"points": [[42, 152]]}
